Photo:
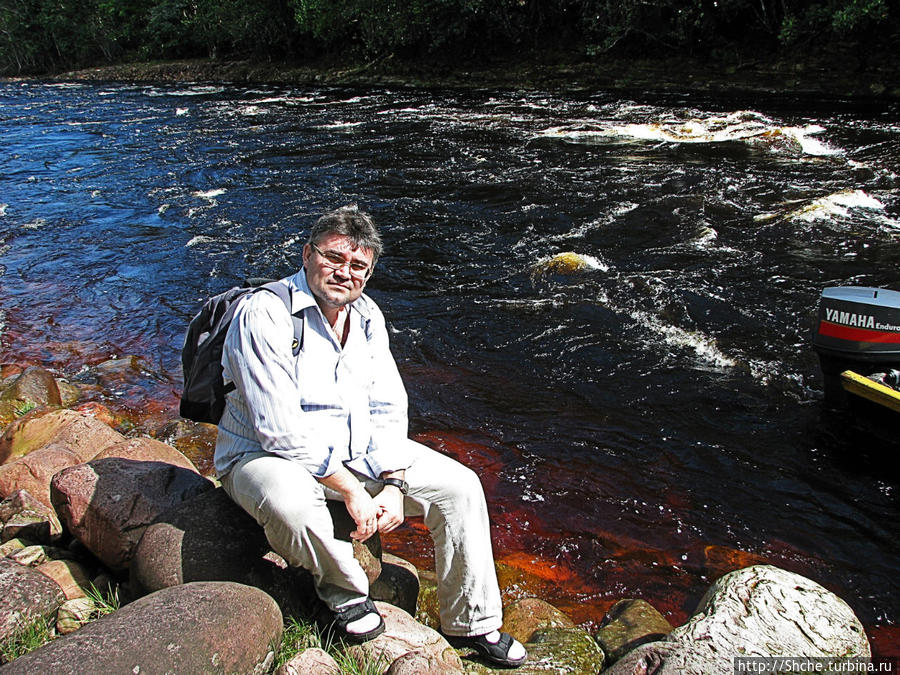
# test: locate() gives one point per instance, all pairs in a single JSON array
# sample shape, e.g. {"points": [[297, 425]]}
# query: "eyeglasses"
{"points": [[335, 261]]}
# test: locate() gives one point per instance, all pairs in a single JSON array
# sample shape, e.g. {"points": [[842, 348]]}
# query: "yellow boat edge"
{"points": [[862, 386]]}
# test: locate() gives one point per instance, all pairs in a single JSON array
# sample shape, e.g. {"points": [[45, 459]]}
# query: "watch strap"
{"points": [[402, 485]]}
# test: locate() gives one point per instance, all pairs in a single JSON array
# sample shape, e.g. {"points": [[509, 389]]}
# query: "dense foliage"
{"points": [[47, 35]]}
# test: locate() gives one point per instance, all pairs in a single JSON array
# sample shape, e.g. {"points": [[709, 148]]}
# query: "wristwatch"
{"points": [[397, 483]]}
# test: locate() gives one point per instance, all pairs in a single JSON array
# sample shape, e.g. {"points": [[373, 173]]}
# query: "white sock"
{"points": [[516, 650], [364, 625]]}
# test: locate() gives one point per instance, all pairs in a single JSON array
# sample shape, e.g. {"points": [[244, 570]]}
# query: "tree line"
{"points": [[41, 36]]}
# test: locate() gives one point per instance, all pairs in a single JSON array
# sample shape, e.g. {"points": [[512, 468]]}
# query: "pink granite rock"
{"points": [[108, 503]]}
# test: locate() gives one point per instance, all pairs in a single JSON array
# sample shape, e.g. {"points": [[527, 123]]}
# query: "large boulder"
{"points": [[81, 434], [756, 611], [403, 635], [25, 596], [213, 627], [108, 503], [210, 538]]}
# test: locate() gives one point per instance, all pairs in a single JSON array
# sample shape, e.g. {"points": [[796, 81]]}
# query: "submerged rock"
{"points": [[33, 387], [629, 624], [567, 262], [523, 618], [757, 611], [552, 650], [195, 440]]}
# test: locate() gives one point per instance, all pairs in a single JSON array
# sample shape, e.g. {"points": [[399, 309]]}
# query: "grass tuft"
{"points": [[26, 640], [104, 602], [300, 635], [24, 407]]}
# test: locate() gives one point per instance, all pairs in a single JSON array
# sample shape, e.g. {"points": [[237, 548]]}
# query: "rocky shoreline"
{"points": [[832, 77], [91, 502]]}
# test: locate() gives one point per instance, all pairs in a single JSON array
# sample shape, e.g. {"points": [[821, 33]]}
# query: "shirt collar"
{"points": [[302, 297]]}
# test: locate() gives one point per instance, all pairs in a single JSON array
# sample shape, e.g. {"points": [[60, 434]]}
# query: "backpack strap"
{"points": [[283, 291]]}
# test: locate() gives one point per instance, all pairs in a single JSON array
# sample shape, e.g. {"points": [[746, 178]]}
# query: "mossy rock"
{"points": [[550, 650]]}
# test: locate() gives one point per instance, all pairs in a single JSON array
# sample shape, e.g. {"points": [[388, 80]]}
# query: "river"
{"points": [[641, 423]]}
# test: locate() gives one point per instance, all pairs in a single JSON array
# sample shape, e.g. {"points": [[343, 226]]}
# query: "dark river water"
{"points": [[641, 424]]}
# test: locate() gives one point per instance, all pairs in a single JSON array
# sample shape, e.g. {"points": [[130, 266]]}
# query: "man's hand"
{"points": [[365, 513], [390, 508], [359, 503], [390, 503]]}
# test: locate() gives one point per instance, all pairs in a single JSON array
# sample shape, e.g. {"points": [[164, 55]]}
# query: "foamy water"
{"points": [[742, 126]]}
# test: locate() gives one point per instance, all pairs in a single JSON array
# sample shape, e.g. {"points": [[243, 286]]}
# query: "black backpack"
{"points": [[203, 398]]}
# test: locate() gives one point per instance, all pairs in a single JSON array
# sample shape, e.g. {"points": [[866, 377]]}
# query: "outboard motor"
{"points": [[858, 330]]}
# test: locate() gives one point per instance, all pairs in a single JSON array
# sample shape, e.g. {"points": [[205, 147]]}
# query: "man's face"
{"points": [[336, 271]]}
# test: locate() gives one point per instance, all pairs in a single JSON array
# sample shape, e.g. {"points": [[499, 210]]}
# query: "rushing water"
{"points": [[637, 422]]}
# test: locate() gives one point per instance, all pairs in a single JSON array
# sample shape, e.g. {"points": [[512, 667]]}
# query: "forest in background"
{"points": [[43, 36]]}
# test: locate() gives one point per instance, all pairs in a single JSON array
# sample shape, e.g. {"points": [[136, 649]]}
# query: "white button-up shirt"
{"points": [[328, 406]]}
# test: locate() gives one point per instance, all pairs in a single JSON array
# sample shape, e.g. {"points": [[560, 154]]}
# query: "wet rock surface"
{"points": [[82, 435], [629, 624]]}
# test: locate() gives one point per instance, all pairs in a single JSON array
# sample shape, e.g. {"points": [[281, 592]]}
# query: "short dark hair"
{"points": [[350, 222]]}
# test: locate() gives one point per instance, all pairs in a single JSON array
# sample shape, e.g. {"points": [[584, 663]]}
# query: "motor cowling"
{"points": [[858, 329]]}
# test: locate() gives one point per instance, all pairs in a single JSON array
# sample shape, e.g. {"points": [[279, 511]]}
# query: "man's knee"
{"points": [[463, 486]]}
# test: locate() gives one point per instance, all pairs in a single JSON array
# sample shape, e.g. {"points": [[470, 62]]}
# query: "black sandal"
{"points": [[496, 653], [335, 623]]}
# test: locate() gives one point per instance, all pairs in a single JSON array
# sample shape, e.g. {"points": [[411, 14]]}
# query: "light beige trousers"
{"points": [[289, 504]]}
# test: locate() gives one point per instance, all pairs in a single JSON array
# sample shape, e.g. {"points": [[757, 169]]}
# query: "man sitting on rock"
{"points": [[331, 423]]}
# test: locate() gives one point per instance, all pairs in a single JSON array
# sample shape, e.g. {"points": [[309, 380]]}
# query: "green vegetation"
{"points": [[297, 636], [40, 37], [104, 602], [26, 640], [24, 407], [300, 635]]}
